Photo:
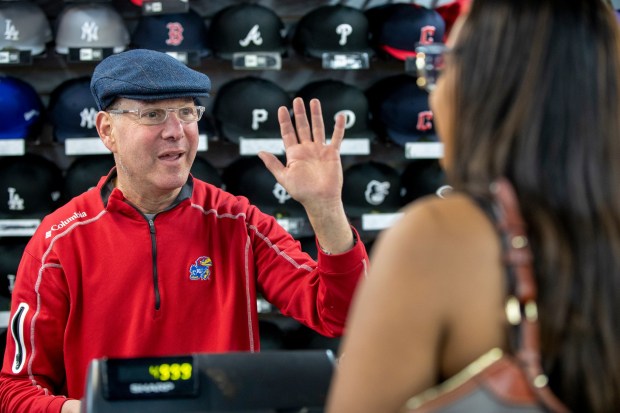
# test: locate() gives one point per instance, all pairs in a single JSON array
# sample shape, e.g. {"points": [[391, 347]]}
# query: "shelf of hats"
{"points": [[358, 57]]}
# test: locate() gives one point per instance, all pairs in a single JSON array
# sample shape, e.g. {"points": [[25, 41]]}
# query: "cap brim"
{"points": [[401, 138]]}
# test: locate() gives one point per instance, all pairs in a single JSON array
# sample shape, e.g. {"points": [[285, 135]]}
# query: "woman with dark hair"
{"points": [[530, 92]]}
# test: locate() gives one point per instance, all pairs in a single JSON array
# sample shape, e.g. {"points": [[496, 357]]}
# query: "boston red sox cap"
{"points": [[174, 32], [11, 251], [25, 27], [21, 109], [30, 186], [246, 27], [205, 171], [90, 25], [400, 111], [248, 108], [421, 177], [84, 173], [72, 110], [370, 187], [332, 28], [338, 97]]}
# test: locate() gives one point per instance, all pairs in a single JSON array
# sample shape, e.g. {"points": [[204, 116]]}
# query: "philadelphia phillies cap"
{"points": [[338, 97], [400, 110], [174, 32], [246, 27], [84, 173], [72, 110], [332, 29], [143, 74], [370, 187], [25, 27], [205, 171], [421, 177], [11, 251], [248, 108], [90, 25], [30, 186], [397, 28], [21, 109]]}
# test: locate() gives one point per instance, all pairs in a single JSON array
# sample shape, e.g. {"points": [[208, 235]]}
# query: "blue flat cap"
{"points": [[143, 74]]}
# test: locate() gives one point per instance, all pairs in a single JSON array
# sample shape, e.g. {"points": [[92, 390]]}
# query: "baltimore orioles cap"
{"points": [[370, 187], [25, 27], [21, 109], [72, 110]]}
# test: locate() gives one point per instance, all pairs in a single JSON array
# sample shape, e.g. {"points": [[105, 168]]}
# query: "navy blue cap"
{"points": [[143, 74], [72, 110]]}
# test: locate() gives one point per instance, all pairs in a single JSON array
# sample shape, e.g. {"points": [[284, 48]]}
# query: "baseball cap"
{"points": [[205, 171], [90, 25], [421, 177], [30, 186], [171, 33], [248, 108], [370, 187], [25, 27], [246, 27], [396, 29], [332, 28], [85, 172], [21, 109], [72, 110], [144, 74], [340, 97], [11, 251], [400, 111]]}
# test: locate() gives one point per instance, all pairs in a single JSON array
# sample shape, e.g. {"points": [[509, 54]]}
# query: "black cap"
{"points": [[371, 187], [205, 171], [11, 251], [73, 110], [421, 177], [85, 172]]}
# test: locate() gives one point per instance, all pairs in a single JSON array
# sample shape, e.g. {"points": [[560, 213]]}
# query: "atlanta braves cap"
{"points": [[21, 109], [396, 29], [11, 251], [246, 27], [72, 110], [174, 32], [370, 187], [332, 28], [338, 97], [248, 108], [205, 171], [25, 27], [84, 173], [90, 25], [400, 111], [143, 74], [421, 177], [30, 186]]}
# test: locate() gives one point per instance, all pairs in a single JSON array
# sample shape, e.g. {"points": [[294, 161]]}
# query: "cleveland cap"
{"points": [[143, 74], [421, 177], [246, 28], [370, 187], [85, 172], [25, 27], [21, 109], [248, 108], [72, 110], [90, 25]]}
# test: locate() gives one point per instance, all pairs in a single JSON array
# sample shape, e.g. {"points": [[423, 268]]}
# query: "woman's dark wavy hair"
{"points": [[538, 101]]}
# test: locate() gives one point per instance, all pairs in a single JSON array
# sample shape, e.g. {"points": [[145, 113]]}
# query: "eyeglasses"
{"points": [[429, 63], [157, 116]]}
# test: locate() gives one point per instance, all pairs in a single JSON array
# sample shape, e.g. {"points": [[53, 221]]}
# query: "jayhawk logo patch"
{"points": [[201, 269]]}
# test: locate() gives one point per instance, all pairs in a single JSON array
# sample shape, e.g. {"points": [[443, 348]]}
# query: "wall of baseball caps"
{"points": [[260, 54]]}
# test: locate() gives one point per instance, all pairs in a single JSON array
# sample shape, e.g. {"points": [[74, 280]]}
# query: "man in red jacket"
{"points": [[153, 261]]}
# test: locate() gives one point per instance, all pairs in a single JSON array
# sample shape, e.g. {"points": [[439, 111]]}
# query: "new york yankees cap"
{"points": [[205, 171], [144, 74], [72, 110], [421, 177], [370, 187], [25, 27], [338, 97], [84, 173], [90, 25], [30, 186], [176, 32], [21, 109], [248, 108], [11, 251], [400, 111], [332, 29], [397, 28], [246, 27]]}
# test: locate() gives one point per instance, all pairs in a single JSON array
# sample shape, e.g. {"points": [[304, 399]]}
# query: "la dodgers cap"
{"points": [[25, 27], [90, 25], [11, 251], [421, 177], [332, 28], [396, 29], [246, 27], [338, 97], [400, 111], [84, 173], [248, 108], [370, 187], [72, 110], [144, 74], [205, 171], [173, 32], [21, 109], [30, 186]]}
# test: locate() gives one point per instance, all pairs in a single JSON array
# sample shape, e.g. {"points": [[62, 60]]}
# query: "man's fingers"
{"points": [[272, 163], [289, 137], [338, 134], [301, 121], [318, 128]]}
